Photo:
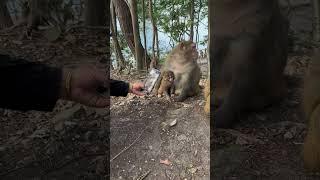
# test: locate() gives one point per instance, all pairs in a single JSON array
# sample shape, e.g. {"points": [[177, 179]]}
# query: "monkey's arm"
{"points": [[28, 85]]}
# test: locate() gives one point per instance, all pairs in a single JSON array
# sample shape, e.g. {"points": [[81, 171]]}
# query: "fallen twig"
{"points": [[128, 146], [144, 175]]}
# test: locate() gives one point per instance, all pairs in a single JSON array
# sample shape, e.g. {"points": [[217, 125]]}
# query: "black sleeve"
{"points": [[28, 85], [118, 88]]}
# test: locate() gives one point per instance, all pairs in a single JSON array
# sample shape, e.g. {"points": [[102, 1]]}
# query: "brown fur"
{"points": [[207, 97], [311, 107], [248, 54], [166, 85], [182, 61]]}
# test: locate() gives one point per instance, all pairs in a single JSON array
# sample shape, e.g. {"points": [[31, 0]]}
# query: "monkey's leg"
{"points": [[242, 87], [172, 90], [185, 89], [167, 94]]}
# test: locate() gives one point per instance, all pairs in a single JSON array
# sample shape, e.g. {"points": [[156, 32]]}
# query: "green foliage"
{"points": [[173, 17]]}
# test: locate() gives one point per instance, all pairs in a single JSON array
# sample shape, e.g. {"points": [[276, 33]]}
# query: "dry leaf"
{"points": [[166, 162]]}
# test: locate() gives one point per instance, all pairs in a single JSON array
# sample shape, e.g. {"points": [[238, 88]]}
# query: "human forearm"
{"points": [[28, 85]]}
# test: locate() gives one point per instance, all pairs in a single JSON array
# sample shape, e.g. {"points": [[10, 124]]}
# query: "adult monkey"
{"points": [[248, 52], [182, 61]]}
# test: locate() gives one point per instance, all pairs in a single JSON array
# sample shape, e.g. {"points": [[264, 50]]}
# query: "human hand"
{"points": [[136, 88], [83, 84]]}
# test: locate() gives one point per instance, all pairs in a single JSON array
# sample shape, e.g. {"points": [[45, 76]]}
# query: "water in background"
{"points": [[164, 40]]}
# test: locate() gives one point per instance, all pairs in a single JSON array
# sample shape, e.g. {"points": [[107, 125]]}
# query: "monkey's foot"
{"points": [[159, 95]]}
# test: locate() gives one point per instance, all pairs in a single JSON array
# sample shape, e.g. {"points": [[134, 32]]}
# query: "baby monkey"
{"points": [[166, 85]]}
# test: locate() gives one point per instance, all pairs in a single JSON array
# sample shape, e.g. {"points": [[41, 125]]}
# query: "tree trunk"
{"points": [[119, 55], [153, 29], [38, 13], [198, 22], [124, 16], [316, 20], [192, 20], [210, 39], [96, 12], [144, 34], [135, 25], [5, 18]]}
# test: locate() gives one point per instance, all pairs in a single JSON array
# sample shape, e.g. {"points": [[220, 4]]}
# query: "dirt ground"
{"points": [[72, 141], [150, 138], [148, 130]]}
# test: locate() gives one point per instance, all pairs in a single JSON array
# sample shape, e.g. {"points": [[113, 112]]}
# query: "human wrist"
{"points": [[130, 87], [65, 87]]}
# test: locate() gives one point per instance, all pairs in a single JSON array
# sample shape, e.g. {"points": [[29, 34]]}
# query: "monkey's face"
{"points": [[189, 48], [169, 76]]}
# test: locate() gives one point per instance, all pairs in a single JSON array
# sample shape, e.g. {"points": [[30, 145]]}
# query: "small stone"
{"points": [[193, 170], [182, 137], [288, 135]]}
